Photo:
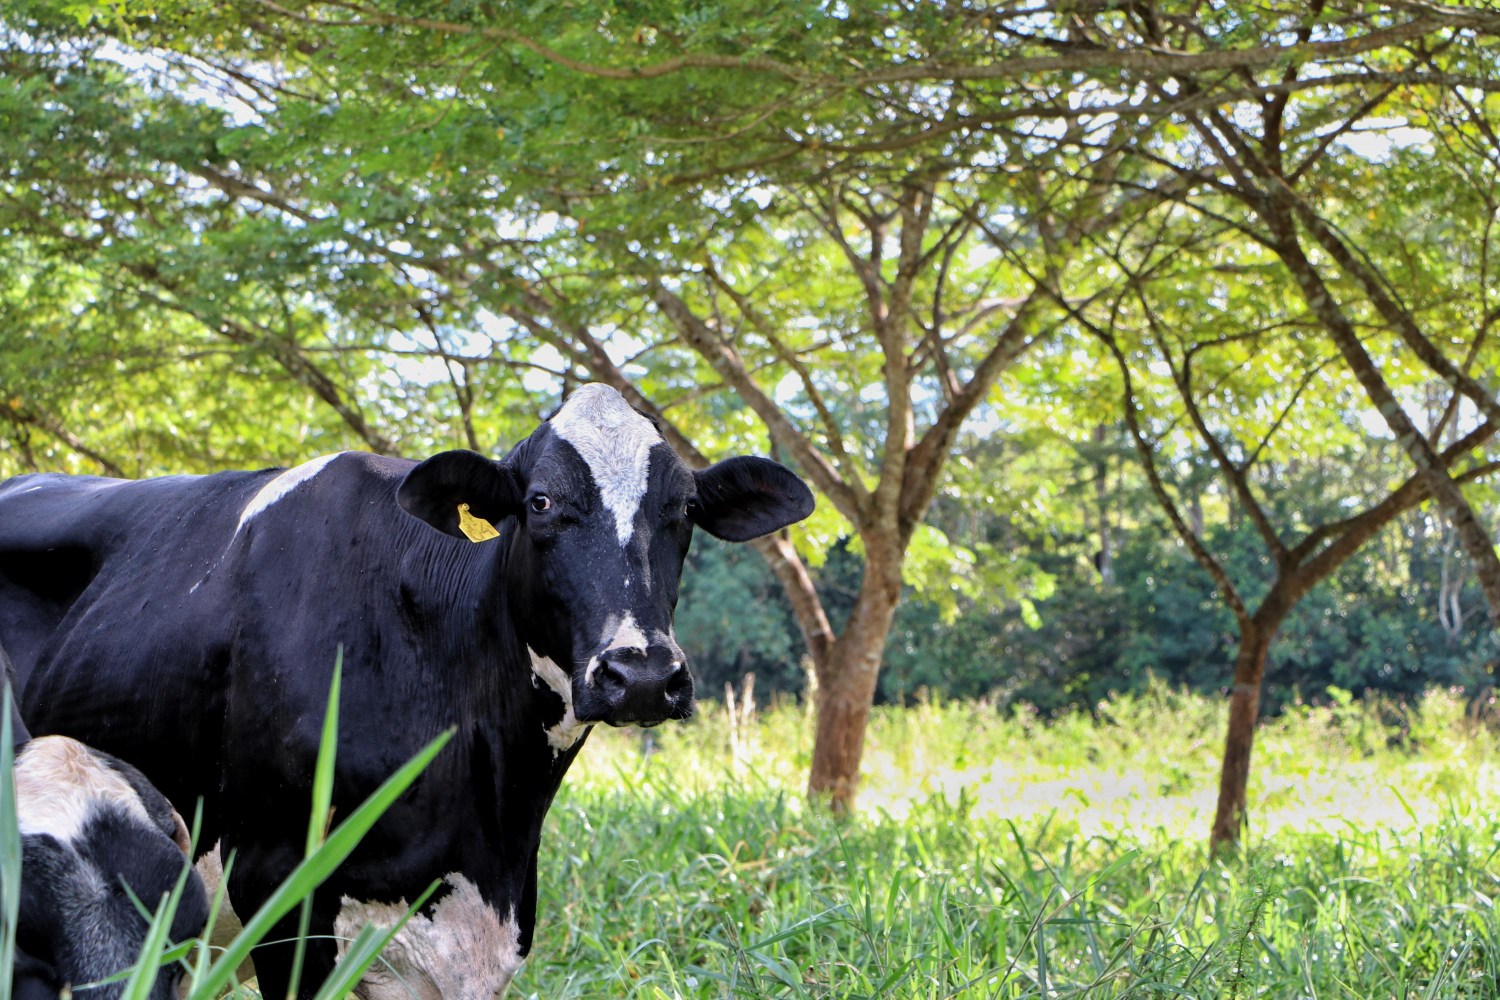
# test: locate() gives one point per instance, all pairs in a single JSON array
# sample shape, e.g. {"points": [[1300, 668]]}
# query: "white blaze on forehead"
{"points": [[615, 443], [463, 950], [281, 486], [619, 633], [564, 734], [60, 783]]}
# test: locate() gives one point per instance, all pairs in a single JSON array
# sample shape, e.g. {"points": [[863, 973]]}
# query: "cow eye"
{"points": [[541, 502]]}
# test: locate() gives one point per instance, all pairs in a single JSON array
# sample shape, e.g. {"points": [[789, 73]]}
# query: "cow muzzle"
{"points": [[629, 685]]}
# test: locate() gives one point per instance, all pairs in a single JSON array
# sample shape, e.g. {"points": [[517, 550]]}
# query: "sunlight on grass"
{"points": [[1149, 762], [998, 855]]}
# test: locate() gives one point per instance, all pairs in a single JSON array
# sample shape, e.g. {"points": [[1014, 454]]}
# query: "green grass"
{"points": [[997, 856]]}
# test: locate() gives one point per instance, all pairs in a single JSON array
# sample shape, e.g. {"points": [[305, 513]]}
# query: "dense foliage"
{"points": [[1402, 615], [1109, 332]]}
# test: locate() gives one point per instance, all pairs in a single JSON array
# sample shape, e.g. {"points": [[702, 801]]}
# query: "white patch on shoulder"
{"points": [[281, 486], [463, 951], [615, 443], [622, 633], [59, 783], [569, 731]]}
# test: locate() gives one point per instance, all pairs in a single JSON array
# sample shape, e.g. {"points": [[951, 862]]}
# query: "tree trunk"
{"points": [[846, 685], [791, 572], [1244, 710], [1105, 561]]}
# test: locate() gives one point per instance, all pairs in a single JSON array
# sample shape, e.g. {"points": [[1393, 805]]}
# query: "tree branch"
{"points": [[725, 360]]}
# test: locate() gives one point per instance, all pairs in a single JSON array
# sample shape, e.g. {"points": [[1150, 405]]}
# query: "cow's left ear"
{"points": [[743, 498], [433, 490]]}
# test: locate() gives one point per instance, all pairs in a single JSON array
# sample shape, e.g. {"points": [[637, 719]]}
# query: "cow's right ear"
{"points": [[433, 490]]}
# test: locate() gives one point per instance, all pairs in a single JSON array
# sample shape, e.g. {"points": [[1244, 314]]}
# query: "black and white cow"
{"points": [[189, 625], [93, 830], [91, 826]]}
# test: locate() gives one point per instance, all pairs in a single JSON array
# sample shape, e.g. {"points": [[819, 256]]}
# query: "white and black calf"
{"points": [[189, 625], [92, 827]]}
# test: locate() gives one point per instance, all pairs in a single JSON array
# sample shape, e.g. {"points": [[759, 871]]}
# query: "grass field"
{"points": [[996, 856]]}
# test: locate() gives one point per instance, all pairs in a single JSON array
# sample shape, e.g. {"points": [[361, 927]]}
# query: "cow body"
{"points": [[190, 626]]}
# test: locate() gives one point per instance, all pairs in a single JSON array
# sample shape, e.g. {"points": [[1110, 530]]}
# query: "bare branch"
{"points": [[725, 360], [19, 413], [789, 357], [929, 453]]}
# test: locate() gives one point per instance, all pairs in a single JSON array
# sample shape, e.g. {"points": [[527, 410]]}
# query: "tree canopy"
{"points": [[1232, 259]]}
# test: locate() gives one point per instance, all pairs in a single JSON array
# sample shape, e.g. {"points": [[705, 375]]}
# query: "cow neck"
{"points": [[461, 590]]}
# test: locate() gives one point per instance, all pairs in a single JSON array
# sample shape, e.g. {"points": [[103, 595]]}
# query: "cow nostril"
{"points": [[619, 668], [679, 681], [610, 675]]}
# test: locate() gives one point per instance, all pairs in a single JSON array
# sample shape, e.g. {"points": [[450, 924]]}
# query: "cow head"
{"points": [[92, 827], [604, 511]]}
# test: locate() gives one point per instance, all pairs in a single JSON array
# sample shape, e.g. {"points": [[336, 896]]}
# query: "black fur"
{"points": [[745, 497]]}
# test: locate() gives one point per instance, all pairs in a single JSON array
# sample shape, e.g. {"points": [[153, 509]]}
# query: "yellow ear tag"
{"points": [[476, 529]]}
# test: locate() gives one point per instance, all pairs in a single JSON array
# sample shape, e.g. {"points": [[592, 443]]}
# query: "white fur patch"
{"points": [[59, 783], [281, 486], [569, 731], [615, 443], [618, 634], [463, 951]]}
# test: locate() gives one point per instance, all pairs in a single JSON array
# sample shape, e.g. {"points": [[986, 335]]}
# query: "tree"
{"points": [[1278, 175], [1241, 367], [698, 205], [906, 302]]}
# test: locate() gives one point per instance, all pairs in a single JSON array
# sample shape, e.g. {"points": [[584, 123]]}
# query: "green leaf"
{"points": [[365, 949], [10, 840], [314, 869]]}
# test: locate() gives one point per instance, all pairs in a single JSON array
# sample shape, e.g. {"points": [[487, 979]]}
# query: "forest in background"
{"points": [[1402, 617], [1116, 338]]}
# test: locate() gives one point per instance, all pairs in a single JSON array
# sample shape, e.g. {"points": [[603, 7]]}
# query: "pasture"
{"points": [[997, 856], [1087, 342]]}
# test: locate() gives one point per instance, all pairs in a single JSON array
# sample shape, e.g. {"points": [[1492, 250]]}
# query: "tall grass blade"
{"points": [[204, 953], [314, 869], [143, 973], [322, 807], [10, 848], [363, 951], [154, 953]]}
